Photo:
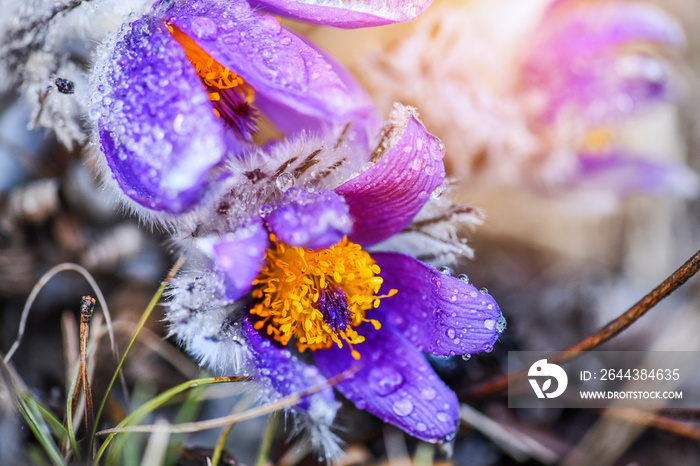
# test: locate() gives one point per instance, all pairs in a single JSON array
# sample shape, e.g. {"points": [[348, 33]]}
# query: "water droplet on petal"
{"points": [[501, 324], [420, 427], [285, 181], [271, 23], [428, 394], [463, 278], [466, 357], [450, 333], [443, 417], [484, 291], [385, 380], [441, 145], [264, 210], [445, 270], [489, 324], [203, 27], [437, 192], [403, 407]]}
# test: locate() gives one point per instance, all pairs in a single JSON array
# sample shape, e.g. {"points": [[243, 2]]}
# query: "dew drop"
{"points": [[489, 324], [385, 380], [501, 324], [286, 40], [443, 417], [484, 291], [450, 333], [428, 394], [178, 122], [403, 407], [203, 27], [466, 357], [445, 270], [441, 145], [463, 278], [417, 163], [285, 181], [367, 165], [420, 427], [265, 209], [437, 192], [271, 23]]}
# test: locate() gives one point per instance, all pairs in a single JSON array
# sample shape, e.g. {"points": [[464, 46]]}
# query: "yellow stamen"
{"points": [[288, 288], [213, 74], [599, 139]]}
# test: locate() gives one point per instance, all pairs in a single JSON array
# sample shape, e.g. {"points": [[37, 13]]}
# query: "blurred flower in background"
{"points": [[537, 95]]}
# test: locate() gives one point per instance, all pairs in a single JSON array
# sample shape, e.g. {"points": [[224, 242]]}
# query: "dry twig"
{"points": [[641, 307]]}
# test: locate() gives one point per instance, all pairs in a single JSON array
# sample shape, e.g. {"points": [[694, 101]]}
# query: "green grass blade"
{"points": [[160, 400], [40, 429], [56, 426], [144, 317]]}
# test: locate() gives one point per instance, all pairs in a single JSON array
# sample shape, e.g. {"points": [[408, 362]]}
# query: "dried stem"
{"points": [[668, 286], [87, 305], [649, 419]]}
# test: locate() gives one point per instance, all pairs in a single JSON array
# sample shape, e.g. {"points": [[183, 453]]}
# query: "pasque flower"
{"points": [[284, 286], [280, 283]]}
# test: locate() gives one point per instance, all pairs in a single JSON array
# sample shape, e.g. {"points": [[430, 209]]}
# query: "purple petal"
{"points": [[291, 79], [579, 57], [384, 198], [626, 174], [240, 257], [395, 383], [283, 374], [343, 14], [157, 128], [312, 221], [585, 28], [436, 312]]}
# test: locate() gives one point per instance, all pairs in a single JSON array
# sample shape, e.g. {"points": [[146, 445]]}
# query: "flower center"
{"points": [[316, 297], [231, 97]]}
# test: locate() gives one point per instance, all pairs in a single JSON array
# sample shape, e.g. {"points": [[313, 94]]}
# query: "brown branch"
{"points": [[668, 286], [649, 419]]}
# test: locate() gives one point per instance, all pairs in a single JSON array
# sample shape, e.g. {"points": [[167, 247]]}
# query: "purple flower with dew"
{"points": [[280, 284], [181, 90], [285, 287]]}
